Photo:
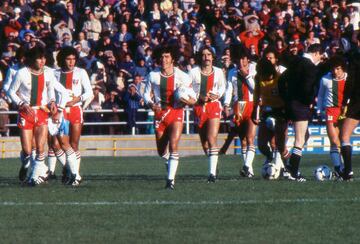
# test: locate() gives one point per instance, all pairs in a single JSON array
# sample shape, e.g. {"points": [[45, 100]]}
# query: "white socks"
{"points": [[213, 160], [173, 164]]}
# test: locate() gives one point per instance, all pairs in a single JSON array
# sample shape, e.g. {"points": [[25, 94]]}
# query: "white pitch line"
{"points": [[181, 203]]}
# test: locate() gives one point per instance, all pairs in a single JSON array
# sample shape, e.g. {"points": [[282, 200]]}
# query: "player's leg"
{"points": [[162, 142], [75, 133], [212, 130], [247, 170], [203, 138], [26, 150], [39, 174], [264, 137], [64, 142], [281, 153], [334, 137], [300, 128], [174, 131], [346, 149]]}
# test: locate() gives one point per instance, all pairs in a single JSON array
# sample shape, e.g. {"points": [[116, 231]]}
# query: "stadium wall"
{"points": [[144, 145]]}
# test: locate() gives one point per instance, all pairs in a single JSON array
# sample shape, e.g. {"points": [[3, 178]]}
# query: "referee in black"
{"points": [[352, 102], [298, 88]]}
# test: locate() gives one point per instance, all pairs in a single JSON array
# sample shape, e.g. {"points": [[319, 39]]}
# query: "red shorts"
{"points": [[27, 122], [242, 111], [332, 114], [211, 110], [167, 116], [74, 115]]}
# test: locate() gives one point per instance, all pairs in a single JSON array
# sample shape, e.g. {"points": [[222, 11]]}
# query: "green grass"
{"points": [[123, 200]]}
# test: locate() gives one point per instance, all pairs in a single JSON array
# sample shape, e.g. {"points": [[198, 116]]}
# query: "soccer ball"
{"points": [[270, 171], [185, 93], [322, 173]]}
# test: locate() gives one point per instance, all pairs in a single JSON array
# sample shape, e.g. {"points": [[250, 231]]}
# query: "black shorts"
{"points": [[297, 111], [353, 111], [276, 113]]}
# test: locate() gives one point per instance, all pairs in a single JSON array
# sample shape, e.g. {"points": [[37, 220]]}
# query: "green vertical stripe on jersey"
{"points": [[203, 85], [34, 89], [335, 87], [163, 90], [239, 87], [63, 79]]}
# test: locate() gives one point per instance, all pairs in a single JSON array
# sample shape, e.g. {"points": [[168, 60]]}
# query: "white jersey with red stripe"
{"points": [[214, 82], [21, 89], [154, 87], [331, 92], [10, 75], [246, 84], [77, 82]]}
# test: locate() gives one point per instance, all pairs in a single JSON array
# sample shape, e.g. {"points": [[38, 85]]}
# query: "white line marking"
{"points": [[184, 203]]}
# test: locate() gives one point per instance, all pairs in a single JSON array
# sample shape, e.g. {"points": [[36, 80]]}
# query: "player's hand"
{"points": [[74, 101], [53, 108], [25, 108], [212, 96], [56, 117], [190, 101]]}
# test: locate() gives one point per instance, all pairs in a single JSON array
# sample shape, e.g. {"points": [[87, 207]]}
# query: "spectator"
{"points": [[92, 29], [96, 104], [112, 102], [133, 101], [61, 29], [4, 118]]}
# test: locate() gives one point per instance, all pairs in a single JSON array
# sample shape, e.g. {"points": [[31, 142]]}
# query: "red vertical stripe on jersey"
{"points": [[170, 89], [69, 77], [341, 88], [40, 88], [245, 91], [210, 82]]}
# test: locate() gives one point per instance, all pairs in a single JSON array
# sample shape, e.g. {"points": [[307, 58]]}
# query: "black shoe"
{"points": [[284, 173], [52, 176], [23, 173], [170, 185], [74, 181], [211, 178], [64, 177], [338, 174], [38, 181], [245, 172], [348, 177]]}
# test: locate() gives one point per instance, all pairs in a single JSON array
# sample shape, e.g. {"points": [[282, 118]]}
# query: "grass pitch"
{"points": [[123, 200]]}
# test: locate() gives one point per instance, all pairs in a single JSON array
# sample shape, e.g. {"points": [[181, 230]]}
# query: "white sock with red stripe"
{"points": [[213, 160], [335, 156], [77, 164], [72, 161], [250, 154], [40, 168], [51, 160], [173, 164], [60, 155], [243, 153]]}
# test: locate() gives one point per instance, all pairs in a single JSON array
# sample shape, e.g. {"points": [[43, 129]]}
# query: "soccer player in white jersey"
{"points": [[33, 92], [169, 114], [240, 87], [77, 82], [209, 85], [330, 99]]}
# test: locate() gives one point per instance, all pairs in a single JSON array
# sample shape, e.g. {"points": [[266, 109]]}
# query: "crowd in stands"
{"points": [[116, 38]]}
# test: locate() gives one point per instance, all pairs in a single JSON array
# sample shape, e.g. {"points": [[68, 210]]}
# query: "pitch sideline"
{"points": [[180, 203]]}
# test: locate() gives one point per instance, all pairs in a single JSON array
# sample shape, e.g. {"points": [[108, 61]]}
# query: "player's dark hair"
{"points": [[64, 53], [337, 61], [265, 69], [239, 52], [199, 54], [34, 53], [271, 49], [172, 49]]}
